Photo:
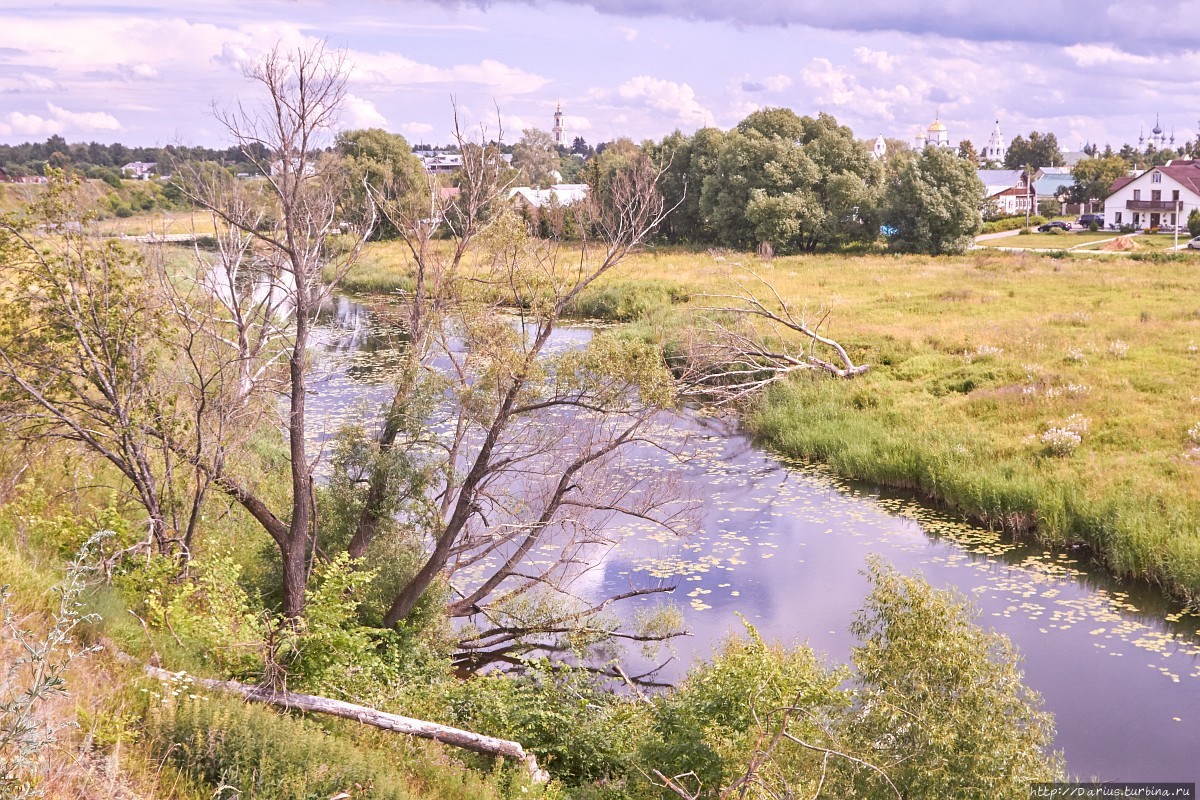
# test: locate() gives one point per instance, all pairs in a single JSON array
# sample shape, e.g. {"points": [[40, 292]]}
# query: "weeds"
{"points": [[36, 675]]}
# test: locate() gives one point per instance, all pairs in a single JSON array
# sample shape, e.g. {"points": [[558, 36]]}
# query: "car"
{"points": [[1086, 220], [1052, 224], [1194, 244]]}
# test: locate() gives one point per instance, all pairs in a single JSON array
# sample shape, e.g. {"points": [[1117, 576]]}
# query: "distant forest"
{"points": [[100, 160]]}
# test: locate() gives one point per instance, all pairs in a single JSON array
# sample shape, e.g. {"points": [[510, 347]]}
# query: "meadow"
{"points": [[1051, 397]]}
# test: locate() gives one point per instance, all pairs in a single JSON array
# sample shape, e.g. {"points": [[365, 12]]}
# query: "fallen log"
{"points": [[294, 701]]}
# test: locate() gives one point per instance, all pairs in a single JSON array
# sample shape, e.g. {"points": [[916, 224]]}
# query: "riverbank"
{"points": [[1055, 398]]}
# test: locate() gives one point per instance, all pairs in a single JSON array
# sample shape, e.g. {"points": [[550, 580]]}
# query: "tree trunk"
{"points": [[456, 737]]}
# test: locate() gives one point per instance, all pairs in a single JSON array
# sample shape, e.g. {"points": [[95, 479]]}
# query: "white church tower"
{"points": [[995, 150], [560, 134], [879, 152]]}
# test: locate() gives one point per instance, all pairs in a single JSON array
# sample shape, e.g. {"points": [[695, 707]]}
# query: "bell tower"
{"points": [[560, 133]]}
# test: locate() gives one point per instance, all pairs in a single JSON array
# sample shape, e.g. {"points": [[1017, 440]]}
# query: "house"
{"points": [[1158, 197], [139, 170], [1047, 187], [562, 194], [1007, 192], [442, 163]]}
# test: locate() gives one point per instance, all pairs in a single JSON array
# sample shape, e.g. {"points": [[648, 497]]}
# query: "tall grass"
{"points": [[257, 752]]}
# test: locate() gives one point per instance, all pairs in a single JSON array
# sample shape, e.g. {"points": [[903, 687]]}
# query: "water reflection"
{"points": [[784, 546]]}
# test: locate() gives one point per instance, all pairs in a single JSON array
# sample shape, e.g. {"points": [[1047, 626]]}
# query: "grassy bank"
{"points": [[977, 359]]}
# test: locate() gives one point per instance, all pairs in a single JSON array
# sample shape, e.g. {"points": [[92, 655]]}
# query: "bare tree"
{"points": [[275, 257], [757, 338]]}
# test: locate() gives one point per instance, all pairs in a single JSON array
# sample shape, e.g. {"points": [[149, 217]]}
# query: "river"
{"points": [[785, 545]]}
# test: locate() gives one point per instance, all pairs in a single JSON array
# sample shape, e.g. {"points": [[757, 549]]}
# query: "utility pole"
{"points": [[1028, 192], [1178, 219]]}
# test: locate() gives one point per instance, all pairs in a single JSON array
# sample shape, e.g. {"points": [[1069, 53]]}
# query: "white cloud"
{"points": [[28, 125], [84, 120], [677, 99], [1091, 55], [574, 123], [417, 130], [878, 59], [60, 120], [360, 113], [777, 83], [838, 88], [141, 72], [628, 34]]}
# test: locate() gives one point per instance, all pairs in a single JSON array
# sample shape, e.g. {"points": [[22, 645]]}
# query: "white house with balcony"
{"points": [[1159, 197]]}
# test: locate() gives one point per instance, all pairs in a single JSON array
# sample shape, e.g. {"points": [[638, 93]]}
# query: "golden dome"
{"points": [[937, 126]]}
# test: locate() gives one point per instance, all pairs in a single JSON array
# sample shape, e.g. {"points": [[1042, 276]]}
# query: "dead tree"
{"points": [[274, 265], [757, 338]]}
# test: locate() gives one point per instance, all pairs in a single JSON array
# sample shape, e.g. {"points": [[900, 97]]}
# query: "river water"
{"points": [[784, 546]]}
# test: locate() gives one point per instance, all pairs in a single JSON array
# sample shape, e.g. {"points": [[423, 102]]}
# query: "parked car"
{"points": [[1086, 220], [1054, 223], [1194, 244]]}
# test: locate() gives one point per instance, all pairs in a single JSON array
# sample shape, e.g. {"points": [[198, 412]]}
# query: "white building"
{"points": [[560, 133], [1158, 197], [936, 136], [879, 151], [995, 150], [1007, 191], [563, 194], [139, 170]]}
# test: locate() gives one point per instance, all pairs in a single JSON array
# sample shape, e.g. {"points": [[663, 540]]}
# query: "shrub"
{"points": [[1093, 226], [1193, 222]]}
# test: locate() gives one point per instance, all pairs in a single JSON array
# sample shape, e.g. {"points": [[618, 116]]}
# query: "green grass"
{"points": [[974, 358], [1061, 241]]}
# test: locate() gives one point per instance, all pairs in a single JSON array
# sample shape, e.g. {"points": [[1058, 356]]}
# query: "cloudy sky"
{"points": [[148, 73]]}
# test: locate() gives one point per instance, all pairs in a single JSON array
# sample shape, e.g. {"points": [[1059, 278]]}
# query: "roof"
{"points": [[562, 193], [1185, 172], [996, 181]]}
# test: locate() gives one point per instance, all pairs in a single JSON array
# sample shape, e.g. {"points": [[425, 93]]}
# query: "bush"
{"points": [[1093, 226], [1193, 222]]}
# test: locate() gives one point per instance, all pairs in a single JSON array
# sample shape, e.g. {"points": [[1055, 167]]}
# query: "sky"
{"points": [[150, 73]]}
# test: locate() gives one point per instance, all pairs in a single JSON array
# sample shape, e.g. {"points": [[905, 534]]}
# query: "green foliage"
{"points": [[579, 732], [940, 704], [1193, 222], [627, 300], [932, 203], [794, 182], [1094, 178], [711, 724], [1039, 150], [385, 161], [536, 157], [1010, 224]]}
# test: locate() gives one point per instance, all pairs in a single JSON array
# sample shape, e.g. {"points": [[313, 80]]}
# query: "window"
{"points": [[1156, 195], [1157, 178], [1117, 217], [1137, 194], [1174, 194]]}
